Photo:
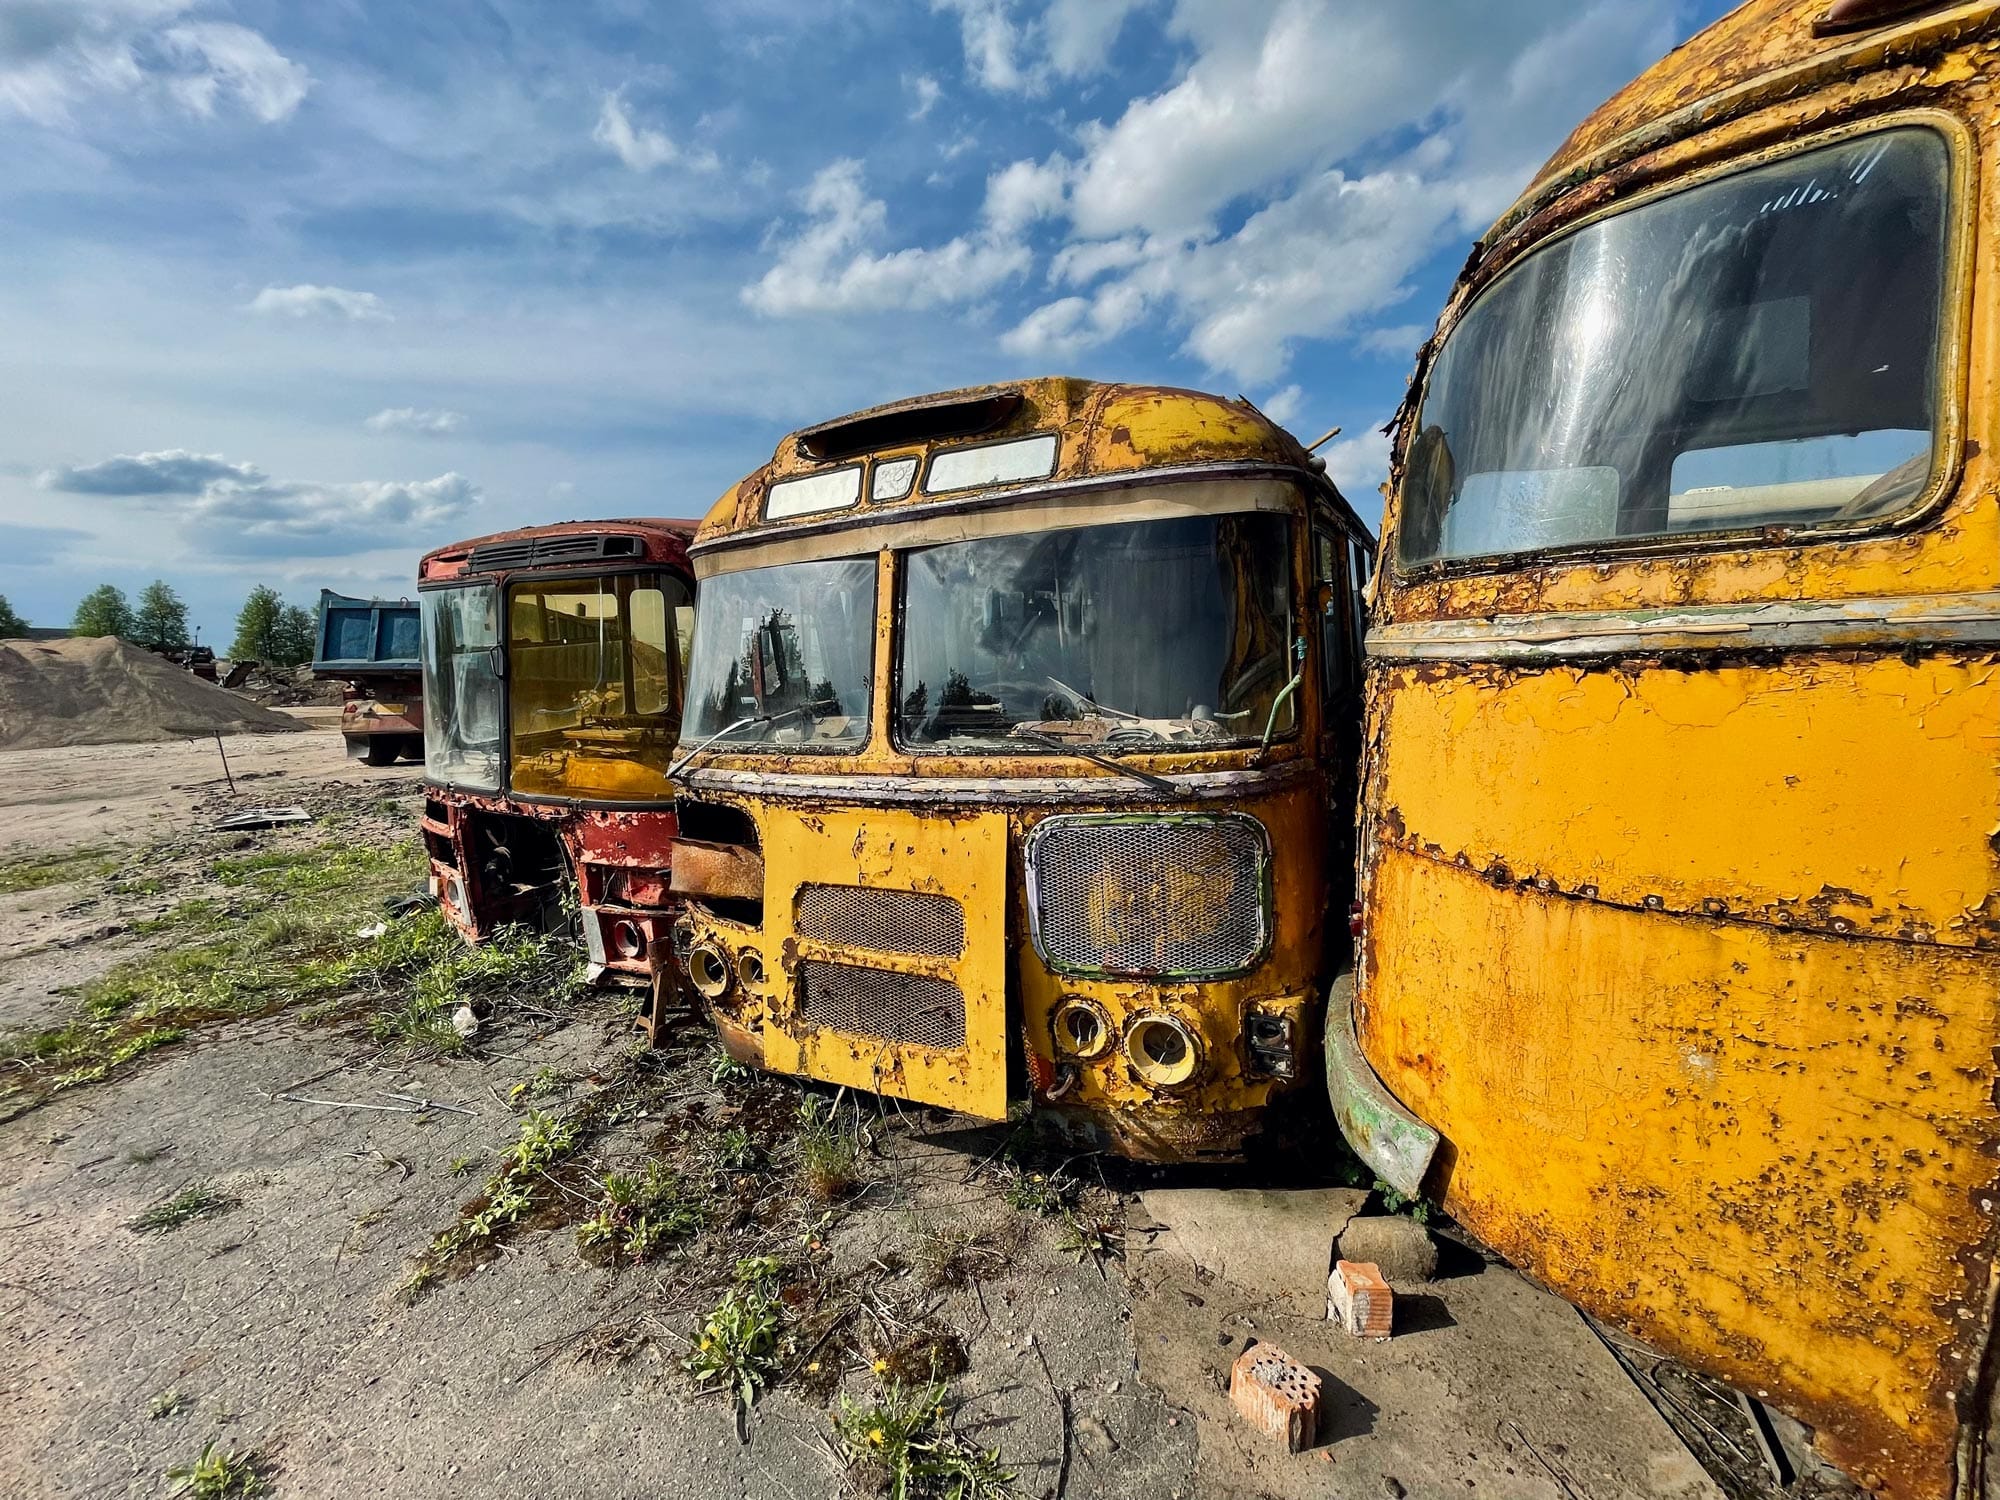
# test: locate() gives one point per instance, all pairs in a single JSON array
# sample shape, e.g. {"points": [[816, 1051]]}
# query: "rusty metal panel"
{"points": [[1767, 1151], [958, 856]]}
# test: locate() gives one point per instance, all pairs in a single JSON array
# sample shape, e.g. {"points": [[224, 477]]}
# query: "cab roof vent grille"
{"points": [[546, 551], [921, 421]]}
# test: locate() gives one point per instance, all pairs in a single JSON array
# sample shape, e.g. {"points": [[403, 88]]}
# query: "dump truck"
{"points": [[371, 647]]}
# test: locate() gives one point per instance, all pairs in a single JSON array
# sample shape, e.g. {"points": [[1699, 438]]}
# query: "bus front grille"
{"points": [[875, 1002], [1161, 895], [852, 916]]}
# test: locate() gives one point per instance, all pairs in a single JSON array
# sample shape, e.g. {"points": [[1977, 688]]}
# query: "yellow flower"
{"points": [[875, 1436], [881, 1367], [813, 1368]]}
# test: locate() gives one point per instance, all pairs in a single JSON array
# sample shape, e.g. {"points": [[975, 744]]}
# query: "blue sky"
{"points": [[293, 292]]}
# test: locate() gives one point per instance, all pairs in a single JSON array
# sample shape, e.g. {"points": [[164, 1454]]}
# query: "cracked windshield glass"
{"points": [[782, 656], [1142, 635]]}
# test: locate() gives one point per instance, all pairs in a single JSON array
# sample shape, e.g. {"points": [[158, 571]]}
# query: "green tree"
{"points": [[257, 626], [104, 611], [161, 621], [292, 637], [12, 626]]}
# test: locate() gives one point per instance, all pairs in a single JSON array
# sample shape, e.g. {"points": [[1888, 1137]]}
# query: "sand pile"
{"points": [[105, 692]]}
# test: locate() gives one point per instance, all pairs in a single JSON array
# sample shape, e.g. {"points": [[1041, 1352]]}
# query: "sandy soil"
{"points": [[88, 795]]}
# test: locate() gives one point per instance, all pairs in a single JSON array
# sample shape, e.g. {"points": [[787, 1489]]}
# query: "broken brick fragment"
{"points": [[1359, 1300], [1276, 1394]]}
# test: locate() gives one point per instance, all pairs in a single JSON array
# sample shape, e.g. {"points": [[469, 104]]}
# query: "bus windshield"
{"points": [[461, 638], [594, 683], [782, 657], [1141, 634], [1758, 351]]}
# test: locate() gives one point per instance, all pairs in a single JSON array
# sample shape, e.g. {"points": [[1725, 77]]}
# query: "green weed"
{"points": [[724, 1069], [218, 1474], [195, 1201], [1045, 1194], [643, 1211], [903, 1441], [507, 1195], [1417, 1208], [167, 1404], [739, 1346]]}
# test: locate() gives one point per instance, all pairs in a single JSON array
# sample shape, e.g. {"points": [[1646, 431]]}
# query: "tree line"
{"points": [[267, 629]]}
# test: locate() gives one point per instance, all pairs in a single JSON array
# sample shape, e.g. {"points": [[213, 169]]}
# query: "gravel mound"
{"points": [[105, 692]]}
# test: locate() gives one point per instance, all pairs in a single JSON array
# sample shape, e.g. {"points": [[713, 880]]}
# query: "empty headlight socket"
{"points": [[1081, 1029], [1270, 1043], [1163, 1051]]}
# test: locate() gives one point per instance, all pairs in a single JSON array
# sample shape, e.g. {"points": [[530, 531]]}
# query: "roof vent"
{"points": [[1860, 15], [921, 421]]}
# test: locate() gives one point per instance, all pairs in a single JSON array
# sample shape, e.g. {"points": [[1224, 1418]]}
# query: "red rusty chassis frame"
{"points": [[500, 858]]}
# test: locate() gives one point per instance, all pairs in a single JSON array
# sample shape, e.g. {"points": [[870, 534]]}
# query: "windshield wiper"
{"points": [[728, 729], [1159, 784]]}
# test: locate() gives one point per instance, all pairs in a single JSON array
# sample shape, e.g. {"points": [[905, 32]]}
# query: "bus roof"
{"points": [[1039, 433], [1761, 52], [563, 544]]}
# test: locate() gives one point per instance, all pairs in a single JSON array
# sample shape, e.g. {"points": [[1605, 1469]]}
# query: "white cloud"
{"points": [[926, 91], [1280, 99], [1399, 342], [1359, 465], [423, 421], [309, 518], [1020, 194], [1011, 52], [1282, 406], [237, 508], [831, 265], [57, 54], [640, 147], [993, 43], [220, 60], [306, 300], [1079, 33], [172, 471]]}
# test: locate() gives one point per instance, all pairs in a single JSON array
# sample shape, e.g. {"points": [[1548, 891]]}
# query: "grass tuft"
{"points": [[195, 1201], [827, 1154], [643, 1211], [33, 872], [217, 1474]]}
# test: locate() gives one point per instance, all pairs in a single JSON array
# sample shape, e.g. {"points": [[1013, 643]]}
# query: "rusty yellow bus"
{"points": [[1680, 976], [1017, 768]]}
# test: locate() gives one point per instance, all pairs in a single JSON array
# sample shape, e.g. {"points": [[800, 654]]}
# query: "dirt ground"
{"points": [[305, 1316]]}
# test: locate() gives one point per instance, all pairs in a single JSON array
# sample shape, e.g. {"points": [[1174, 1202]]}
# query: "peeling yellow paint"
{"points": [[1692, 956]]}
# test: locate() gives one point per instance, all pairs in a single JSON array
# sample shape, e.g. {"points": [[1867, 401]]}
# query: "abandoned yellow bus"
{"points": [[1680, 976], [1012, 765]]}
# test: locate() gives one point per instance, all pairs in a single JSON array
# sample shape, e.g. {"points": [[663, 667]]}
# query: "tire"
{"points": [[382, 750], [413, 748]]}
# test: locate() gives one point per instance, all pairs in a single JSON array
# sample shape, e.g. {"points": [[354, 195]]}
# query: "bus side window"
{"points": [[1336, 644], [1359, 561]]}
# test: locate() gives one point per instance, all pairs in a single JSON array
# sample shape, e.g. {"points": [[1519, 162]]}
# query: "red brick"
{"points": [[1276, 1394], [1359, 1300]]}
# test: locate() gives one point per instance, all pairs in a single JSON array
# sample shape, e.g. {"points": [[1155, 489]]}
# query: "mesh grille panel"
{"points": [[1181, 896], [875, 1002], [887, 921]]}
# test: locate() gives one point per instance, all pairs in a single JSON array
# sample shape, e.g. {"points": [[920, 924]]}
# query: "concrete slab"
{"points": [[1274, 1243], [1491, 1386]]}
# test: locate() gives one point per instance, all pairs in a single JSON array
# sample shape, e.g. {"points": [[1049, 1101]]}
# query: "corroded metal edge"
{"points": [[1972, 618], [1383, 1134]]}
